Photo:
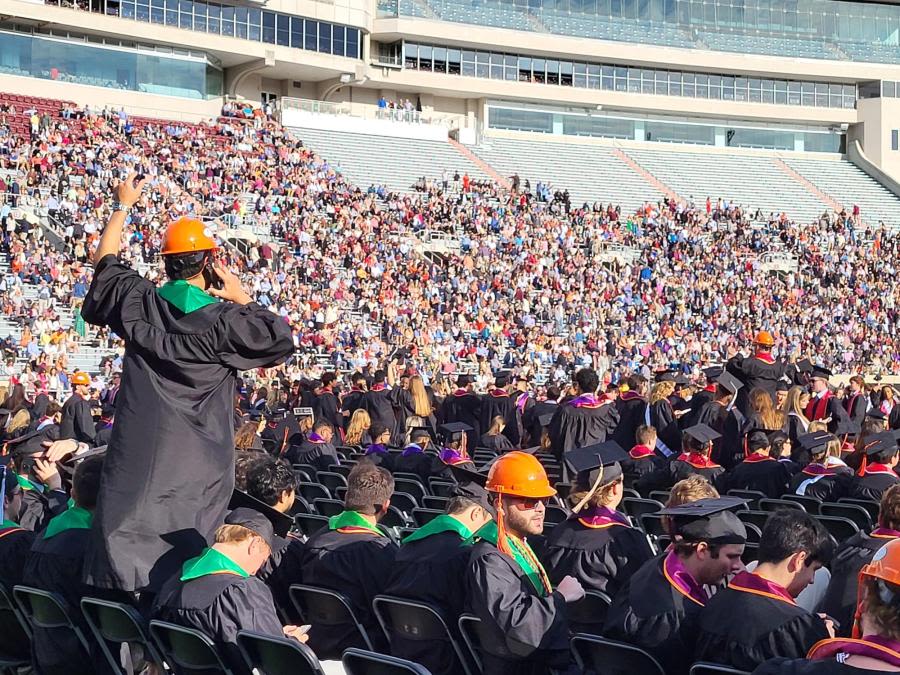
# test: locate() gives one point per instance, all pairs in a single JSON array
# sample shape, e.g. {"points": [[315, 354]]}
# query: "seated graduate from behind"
{"points": [[270, 490], [316, 449], [378, 452], [855, 553], [875, 646], [697, 445], [756, 618], [658, 607], [596, 544], [642, 458], [15, 541], [416, 457], [353, 557], [43, 496], [218, 593], [524, 627], [493, 438], [876, 470], [818, 479], [56, 564], [432, 568], [454, 450], [759, 470]]}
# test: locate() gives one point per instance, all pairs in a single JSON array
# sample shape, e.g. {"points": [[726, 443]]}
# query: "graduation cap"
{"points": [[32, 443], [470, 484], [421, 432], [820, 372], [713, 372], [876, 444], [664, 376], [805, 366], [729, 382], [453, 431], [710, 520], [815, 442], [255, 415], [280, 523], [702, 433], [682, 380], [586, 464], [501, 378], [757, 440], [545, 419], [847, 428], [254, 521]]}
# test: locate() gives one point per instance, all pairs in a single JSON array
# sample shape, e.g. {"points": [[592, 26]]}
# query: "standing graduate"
{"points": [[596, 545], [658, 607], [77, 421], [761, 370], [218, 592], [169, 469], [723, 416], [853, 554], [756, 618], [702, 397], [354, 399], [378, 402], [524, 628], [585, 419], [823, 404], [524, 402], [327, 405], [498, 403], [660, 415], [531, 420], [432, 568], [857, 402], [876, 470], [464, 406], [759, 470], [632, 408]]}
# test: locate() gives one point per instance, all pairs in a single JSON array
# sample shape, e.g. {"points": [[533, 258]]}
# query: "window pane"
{"points": [[352, 48], [283, 34], [337, 40], [324, 37], [268, 31], [311, 34]]}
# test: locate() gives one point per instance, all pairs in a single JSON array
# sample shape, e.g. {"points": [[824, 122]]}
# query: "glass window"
{"points": [[297, 32], [520, 120], [594, 73], [496, 66], [688, 79], [324, 37], [755, 95], [552, 72], [727, 88], [186, 14], [352, 47], [171, 14], [283, 33], [268, 32], [157, 11], [213, 24], [807, 94], [254, 24], [311, 35], [454, 59], [337, 40], [674, 84], [126, 9], [565, 73], [895, 139], [673, 132], [889, 89], [662, 82], [510, 68], [634, 78], [426, 57], [821, 95], [524, 66], [793, 93], [482, 64], [621, 83], [598, 126], [199, 15], [741, 89], [715, 87], [701, 87], [539, 70], [849, 96], [439, 54], [227, 19], [647, 82], [468, 63], [768, 91], [580, 75]]}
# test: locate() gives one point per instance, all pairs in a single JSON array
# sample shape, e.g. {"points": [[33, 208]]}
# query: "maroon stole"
{"points": [[748, 582], [874, 646], [641, 452], [682, 581], [817, 408], [757, 457], [600, 517]]}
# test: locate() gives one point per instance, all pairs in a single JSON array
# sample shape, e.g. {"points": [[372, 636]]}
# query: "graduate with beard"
{"points": [[583, 420]]}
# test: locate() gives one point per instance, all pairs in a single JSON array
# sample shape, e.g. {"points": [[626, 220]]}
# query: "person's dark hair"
{"points": [[634, 382], [553, 393], [379, 376], [244, 460], [691, 444], [328, 378], [15, 399], [52, 409], [889, 511], [419, 435], [587, 380], [86, 482], [185, 265], [368, 487], [790, 531], [376, 429], [458, 505], [883, 611], [269, 478], [885, 456], [358, 378], [322, 425], [757, 440]]}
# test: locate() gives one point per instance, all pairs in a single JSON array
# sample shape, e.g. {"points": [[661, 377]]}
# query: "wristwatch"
{"points": [[119, 206]]}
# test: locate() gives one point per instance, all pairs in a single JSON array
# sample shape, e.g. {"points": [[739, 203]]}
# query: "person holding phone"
{"points": [[169, 471]]}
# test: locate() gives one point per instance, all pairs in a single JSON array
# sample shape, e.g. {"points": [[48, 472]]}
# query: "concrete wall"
{"points": [[878, 117]]}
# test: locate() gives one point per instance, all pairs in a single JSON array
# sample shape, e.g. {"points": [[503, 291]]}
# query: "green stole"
{"points": [[351, 522], [441, 523], [184, 296], [209, 562], [522, 554], [75, 518]]}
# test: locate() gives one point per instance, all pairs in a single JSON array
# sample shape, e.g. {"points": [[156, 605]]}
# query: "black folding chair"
{"points": [[661, 496], [811, 504], [854, 512], [324, 607], [779, 504], [470, 630], [15, 635], [414, 620], [425, 516], [313, 491], [188, 650], [753, 495], [395, 518], [588, 614], [410, 487], [406, 475], [653, 524], [838, 527], [757, 518], [362, 662], [49, 611], [404, 501], [328, 507], [434, 502], [440, 488], [704, 668], [555, 515], [119, 628], [869, 505], [613, 658], [309, 523], [331, 480], [267, 655], [751, 552], [638, 506]]}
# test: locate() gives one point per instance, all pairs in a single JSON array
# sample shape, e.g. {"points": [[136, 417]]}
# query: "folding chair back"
{"points": [[324, 607], [704, 668], [47, 610], [588, 614], [779, 504], [113, 625], [425, 516], [188, 650], [362, 662], [268, 655], [15, 634], [470, 629], [613, 658], [309, 523]]}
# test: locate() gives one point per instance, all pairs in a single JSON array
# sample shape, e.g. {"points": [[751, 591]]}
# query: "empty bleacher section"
{"points": [[849, 185], [750, 181], [590, 173], [396, 163]]}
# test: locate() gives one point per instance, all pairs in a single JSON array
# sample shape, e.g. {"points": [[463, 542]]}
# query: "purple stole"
{"points": [[600, 517], [874, 646], [682, 581], [747, 582], [453, 457], [376, 449], [585, 401]]}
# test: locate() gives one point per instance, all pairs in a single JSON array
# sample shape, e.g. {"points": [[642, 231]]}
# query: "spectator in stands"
{"points": [[218, 593], [56, 564], [353, 557], [756, 618]]}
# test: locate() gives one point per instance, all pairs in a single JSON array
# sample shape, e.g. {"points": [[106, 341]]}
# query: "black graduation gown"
{"points": [[384, 459], [169, 468], [380, 408], [696, 404], [465, 407], [576, 427], [15, 547], [743, 629], [730, 448], [220, 605], [601, 558], [872, 485], [351, 402], [662, 418], [804, 667], [650, 613], [834, 409], [766, 474], [856, 406], [796, 429], [894, 418], [356, 564], [500, 443], [531, 419], [522, 633], [828, 487], [281, 569], [419, 463], [327, 407], [841, 596], [320, 454], [631, 409], [500, 404], [76, 421], [432, 570], [280, 432], [38, 507], [757, 371], [678, 469]]}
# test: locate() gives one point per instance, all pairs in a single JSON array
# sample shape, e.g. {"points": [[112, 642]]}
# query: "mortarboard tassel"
{"points": [[502, 544], [590, 493]]}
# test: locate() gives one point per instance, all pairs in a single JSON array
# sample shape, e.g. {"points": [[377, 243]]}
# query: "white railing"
{"points": [[361, 111]]}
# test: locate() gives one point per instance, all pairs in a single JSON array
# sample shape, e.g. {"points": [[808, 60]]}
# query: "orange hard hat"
{"points": [[187, 235], [885, 563], [520, 475], [81, 377], [764, 338]]}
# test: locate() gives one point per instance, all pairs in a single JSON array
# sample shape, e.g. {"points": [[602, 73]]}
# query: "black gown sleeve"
{"points": [[84, 423], [253, 337], [113, 282], [251, 607]]}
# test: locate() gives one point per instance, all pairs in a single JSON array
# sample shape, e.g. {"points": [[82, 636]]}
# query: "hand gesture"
{"points": [[231, 290], [128, 192], [571, 589], [57, 450], [47, 473]]}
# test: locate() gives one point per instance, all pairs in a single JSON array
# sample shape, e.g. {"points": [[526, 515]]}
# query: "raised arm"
{"points": [[128, 192]]}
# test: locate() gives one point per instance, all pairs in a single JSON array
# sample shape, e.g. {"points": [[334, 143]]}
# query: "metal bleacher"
{"points": [[396, 163]]}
